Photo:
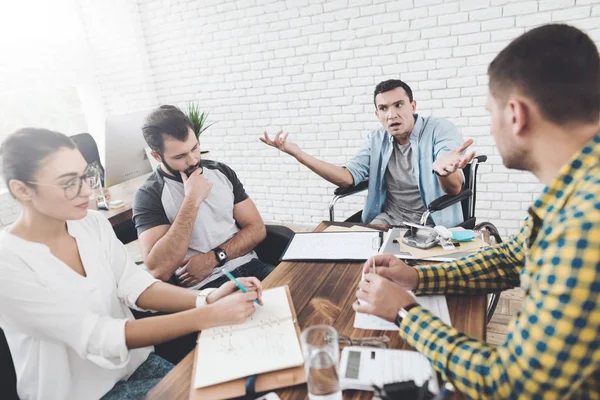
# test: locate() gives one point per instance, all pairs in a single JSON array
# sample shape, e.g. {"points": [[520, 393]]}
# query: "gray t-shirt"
{"points": [[403, 201], [158, 201]]}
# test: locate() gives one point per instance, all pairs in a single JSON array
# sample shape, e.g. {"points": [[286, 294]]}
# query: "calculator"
{"points": [[363, 367]]}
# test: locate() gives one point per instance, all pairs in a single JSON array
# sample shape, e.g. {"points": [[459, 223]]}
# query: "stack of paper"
{"points": [[436, 304]]}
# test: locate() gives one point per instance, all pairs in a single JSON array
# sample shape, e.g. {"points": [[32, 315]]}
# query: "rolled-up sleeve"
{"points": [[359, 165], [45, 314], [132, 280], [446, 138], [107, 347]]}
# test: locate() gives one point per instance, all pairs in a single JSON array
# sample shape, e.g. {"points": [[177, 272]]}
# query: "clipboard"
{"points": [[263, 382]]}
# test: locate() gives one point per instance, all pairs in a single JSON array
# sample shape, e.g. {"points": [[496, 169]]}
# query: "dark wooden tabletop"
{"points": [[123, 191], [323, 293]]}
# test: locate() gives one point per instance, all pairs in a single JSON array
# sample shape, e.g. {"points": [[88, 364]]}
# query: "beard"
{"points": [[517, 159], [514, 156], [187, 171]]}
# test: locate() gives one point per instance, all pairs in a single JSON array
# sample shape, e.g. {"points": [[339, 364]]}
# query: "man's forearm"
{"points": [[451, 184], [169, 251], [337, 175], [245, 240]]}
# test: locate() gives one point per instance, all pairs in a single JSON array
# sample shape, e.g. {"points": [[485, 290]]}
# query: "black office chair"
{"points": [[89, 149], [271, 249], [467, 197], [8, 378]]}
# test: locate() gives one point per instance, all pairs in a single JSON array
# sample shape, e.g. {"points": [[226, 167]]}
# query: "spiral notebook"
{"points": [[267, 341]]}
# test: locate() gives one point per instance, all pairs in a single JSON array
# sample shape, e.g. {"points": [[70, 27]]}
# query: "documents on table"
{"points": [[339, 246], [436, 304], [353, 228], [436, 253]]}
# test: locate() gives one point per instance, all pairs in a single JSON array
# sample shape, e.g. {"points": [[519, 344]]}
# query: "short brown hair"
{"points": [[166, 120], [555, 65]]}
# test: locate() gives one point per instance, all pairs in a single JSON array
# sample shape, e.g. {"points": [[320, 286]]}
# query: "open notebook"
{"points": [[266, 342]]}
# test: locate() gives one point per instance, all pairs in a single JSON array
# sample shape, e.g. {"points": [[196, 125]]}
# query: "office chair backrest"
{"points": [[8, 378], [89, 149]]}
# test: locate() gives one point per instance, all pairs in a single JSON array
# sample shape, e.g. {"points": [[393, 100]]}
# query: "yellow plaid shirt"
{"points": [[552, 349]]}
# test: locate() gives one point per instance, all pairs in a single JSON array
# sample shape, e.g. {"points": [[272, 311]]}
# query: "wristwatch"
{"points": [[202, 295], [221, 256], [403, 313]]}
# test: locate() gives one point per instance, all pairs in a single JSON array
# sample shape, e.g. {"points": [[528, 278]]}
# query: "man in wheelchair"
{"points": [[409, 162]]}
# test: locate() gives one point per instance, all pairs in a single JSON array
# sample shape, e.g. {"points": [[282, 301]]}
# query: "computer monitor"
{"points": [[125, 157]]}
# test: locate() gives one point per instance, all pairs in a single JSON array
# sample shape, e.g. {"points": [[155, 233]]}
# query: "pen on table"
{"points": [[238, 284], [456, 244]]}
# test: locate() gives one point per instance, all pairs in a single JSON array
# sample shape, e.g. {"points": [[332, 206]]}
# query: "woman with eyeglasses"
{"points": [[67, 283]]}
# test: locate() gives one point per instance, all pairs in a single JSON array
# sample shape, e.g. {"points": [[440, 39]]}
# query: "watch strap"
{"points": [[220, 260], [403, 312]]}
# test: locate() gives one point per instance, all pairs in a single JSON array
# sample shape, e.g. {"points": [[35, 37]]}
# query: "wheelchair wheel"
{"points": [[494, 298]]}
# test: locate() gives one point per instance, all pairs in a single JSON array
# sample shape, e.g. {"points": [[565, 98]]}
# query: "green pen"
{"points": [[238, 284]]}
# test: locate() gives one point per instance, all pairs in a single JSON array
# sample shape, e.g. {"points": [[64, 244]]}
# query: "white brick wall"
{"points": [[310, 67]]}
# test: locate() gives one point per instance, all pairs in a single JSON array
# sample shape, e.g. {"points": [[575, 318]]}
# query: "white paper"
{"points": [[267, 341], [333, 246], [436, 304]]}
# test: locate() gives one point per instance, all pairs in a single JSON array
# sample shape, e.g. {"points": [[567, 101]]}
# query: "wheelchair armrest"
{"points": [[351, 189], [447, 200]]}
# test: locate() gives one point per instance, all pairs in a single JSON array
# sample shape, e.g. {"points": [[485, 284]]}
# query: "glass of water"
{"points": [[321, 357]]}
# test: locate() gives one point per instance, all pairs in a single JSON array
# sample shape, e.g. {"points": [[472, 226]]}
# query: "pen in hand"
{"points": [[238, 284], [373, 268]]}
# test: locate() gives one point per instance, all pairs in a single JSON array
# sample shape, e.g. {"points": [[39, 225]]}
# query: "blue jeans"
{"points": [[141, 381]]}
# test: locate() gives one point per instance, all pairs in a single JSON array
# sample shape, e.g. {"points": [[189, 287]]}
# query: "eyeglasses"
{"points": [[72, 188]]}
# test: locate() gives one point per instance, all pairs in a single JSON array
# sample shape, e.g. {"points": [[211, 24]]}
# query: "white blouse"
{"points": [[66, 332]]}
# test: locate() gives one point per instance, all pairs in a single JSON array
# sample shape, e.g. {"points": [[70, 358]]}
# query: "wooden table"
{"points": [[323, 293], [123, 191]]}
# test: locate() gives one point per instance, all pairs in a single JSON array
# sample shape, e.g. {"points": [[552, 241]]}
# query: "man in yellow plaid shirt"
{"points": [[544, 101]]}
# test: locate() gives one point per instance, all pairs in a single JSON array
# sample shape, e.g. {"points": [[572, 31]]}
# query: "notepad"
{"points": [[266, 342]]}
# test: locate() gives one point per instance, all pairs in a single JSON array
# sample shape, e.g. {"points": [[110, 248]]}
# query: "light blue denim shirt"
{"points": [[430, 138]]}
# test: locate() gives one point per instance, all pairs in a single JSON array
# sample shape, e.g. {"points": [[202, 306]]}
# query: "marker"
{"points": [[238, 284]]}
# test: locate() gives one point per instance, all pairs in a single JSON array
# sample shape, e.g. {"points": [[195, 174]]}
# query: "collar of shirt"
{"points": [[555, 195]]}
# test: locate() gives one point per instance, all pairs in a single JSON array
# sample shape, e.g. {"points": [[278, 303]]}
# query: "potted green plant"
{"points": [[198, 119]]}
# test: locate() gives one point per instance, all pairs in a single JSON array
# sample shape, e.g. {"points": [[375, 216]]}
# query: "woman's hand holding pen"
{"points": [[231, 306], [251, 284]]}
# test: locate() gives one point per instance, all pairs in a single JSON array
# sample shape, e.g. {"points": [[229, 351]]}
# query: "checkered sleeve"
{"points": [[552, 348], [492, 269]]}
